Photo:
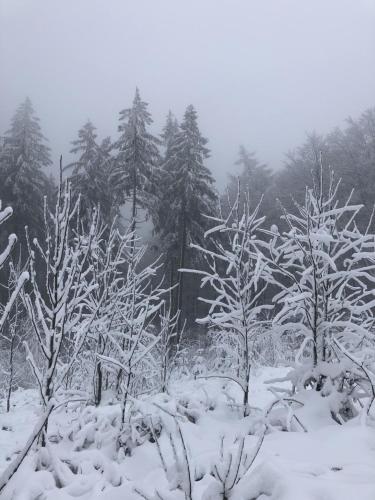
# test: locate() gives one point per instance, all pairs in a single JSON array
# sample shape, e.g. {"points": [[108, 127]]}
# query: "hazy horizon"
{"points": [[261, 74]]}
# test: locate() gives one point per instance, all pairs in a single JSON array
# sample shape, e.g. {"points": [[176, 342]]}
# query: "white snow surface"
{"points": [[329, 462]]}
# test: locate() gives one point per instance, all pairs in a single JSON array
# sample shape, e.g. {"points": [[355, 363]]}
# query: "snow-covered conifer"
{"points": [[188, 193], [137, 157], [22, 160], [169, 130], [91, 174]]}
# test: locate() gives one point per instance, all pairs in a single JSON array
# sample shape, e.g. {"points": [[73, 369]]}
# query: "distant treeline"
{"points": [[165, 178]]}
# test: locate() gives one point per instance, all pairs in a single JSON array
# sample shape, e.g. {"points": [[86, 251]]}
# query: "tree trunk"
{"points": [[99, 384], [11, 372], [134, 209], [125, 400], [247, 375], [181, 265], [98, 376]]}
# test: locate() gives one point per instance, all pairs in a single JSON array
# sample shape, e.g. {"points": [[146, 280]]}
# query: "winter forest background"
{"points": [[164, 336]]}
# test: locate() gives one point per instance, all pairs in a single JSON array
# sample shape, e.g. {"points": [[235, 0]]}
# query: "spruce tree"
{"points": [[91, 173], [169, 130], [87, 147], [254, 180], [160, 204], [23, 184], [162, 180], [137, 158], [188, 194], [109, 202]]}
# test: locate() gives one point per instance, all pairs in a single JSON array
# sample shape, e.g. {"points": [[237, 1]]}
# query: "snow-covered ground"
{"points": [[17, 425], [329, 462]]}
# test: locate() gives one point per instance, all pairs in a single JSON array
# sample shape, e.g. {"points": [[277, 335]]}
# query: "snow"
{"points": [[5, 214], [329, 462], [17, 425], [24, 276]]}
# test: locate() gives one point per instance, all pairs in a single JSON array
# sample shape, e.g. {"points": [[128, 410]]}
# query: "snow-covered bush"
{"points": [[324, 268], [169, 347], [110, 259], [132, 335], [238, 275], [9, 321], [14, 372], [232, 465], [268, 348], [4, 256], [60, 306]]}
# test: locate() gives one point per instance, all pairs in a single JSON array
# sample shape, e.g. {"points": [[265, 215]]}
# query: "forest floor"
{"points": [[329, 462]]}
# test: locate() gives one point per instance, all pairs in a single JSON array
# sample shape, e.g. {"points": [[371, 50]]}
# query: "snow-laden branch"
{"points": [[238, 274]]}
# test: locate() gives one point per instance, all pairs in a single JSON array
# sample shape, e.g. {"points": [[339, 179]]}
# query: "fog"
{"points": [[261, 73]]}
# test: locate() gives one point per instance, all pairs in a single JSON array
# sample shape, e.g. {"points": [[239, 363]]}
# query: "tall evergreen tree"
{"points": [[138, 157], [160, 205], [109, 200], [188, 194], [91, 173], [87, 147], [23, 183], [254, 181], [162, 179], [169, 130]]}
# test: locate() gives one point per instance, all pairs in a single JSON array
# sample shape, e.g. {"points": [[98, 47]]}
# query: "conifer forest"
{"points": [[187, 250]]}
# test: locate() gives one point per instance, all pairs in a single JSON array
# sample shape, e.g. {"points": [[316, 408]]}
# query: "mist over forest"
{"points": [[187, 250]]}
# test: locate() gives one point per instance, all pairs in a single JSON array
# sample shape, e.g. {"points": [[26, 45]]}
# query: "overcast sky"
{"points": [[259, 72]]}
